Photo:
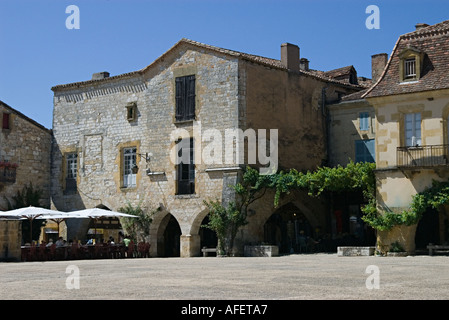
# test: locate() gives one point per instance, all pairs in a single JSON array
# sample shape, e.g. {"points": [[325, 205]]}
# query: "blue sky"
{"points": [[37, 51]]}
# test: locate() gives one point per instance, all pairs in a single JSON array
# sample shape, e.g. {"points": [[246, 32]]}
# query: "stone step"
{"points": [[355, 251]]}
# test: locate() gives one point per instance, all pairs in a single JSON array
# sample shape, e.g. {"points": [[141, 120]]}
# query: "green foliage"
{"points": [[226, 221], [136, 227], [396, 247], [432, 197], [353, 177], [28, 196]]}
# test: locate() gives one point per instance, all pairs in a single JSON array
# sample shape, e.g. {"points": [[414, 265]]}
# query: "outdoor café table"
{"points": [[62, 252], [25, 252], [88, 250], [116, 251]]}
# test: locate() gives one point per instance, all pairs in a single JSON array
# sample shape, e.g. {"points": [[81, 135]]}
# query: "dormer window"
{"points": [[410, 64]]}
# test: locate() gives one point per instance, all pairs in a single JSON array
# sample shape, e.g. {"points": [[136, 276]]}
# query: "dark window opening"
{"points": [[5, 122], [186, 167]]}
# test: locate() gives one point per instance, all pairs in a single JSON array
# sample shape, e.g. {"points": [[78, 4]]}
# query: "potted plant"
{"points": [[396, 250]]}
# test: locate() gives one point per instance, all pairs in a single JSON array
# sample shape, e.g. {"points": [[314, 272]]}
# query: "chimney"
{"points": [[290, 56], [304, 64], [419, 26], [100, 75], [378, 63]]}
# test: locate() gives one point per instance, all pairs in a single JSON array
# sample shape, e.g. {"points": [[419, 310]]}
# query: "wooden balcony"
{"points": [[423, 156]]}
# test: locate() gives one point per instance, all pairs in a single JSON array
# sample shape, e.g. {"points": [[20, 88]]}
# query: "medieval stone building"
{"points": [[117, 139], [24, 159]]}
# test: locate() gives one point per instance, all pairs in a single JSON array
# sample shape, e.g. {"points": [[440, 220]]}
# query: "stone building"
{"points": [[411, 103], [351, 137], [117, 140], [25, 149]]}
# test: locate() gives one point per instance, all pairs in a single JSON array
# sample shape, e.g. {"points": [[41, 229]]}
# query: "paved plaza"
{"points": [[302, 276]]}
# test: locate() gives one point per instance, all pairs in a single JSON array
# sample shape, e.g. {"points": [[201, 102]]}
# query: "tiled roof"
{"points": [[433, 41], [20, 114], [339, 72], [353, 96], [272, 63]]}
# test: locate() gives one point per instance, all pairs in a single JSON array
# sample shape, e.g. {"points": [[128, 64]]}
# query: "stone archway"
{"points": [[165, 233], [283, 227]]}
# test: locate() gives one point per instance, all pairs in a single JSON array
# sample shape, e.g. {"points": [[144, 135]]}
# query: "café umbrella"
{"points": [[58, 218], [30, 213], [98, 213]]}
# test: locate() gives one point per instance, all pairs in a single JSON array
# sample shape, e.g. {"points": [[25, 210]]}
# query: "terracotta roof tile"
{"points": [[433, 41], [273, 63]]}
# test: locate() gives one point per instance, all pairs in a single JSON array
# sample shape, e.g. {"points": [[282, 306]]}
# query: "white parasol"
{"points": [[30, 213]]}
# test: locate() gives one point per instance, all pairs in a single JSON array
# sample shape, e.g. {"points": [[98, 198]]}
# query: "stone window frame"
{"points": [[126, 170]]}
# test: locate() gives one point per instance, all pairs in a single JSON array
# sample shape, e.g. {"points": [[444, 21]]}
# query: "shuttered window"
{"points": [[364, 121], [364, 150], [185, 98]]}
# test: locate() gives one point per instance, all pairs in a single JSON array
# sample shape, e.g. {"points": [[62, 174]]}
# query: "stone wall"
{"points": [[344, 130], [10, 240], [26, 144], [91, 121]]}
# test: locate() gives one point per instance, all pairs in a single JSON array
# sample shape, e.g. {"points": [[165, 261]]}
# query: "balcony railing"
{"points": [[423, 156]]}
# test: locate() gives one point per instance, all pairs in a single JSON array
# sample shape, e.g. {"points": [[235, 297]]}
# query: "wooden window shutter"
{"points": [[185, 98], [180, 103], [5, 123], [190, 97]]}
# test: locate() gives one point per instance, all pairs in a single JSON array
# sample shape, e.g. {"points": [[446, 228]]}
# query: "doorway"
{"points": [[172, 236], [427, 230]]}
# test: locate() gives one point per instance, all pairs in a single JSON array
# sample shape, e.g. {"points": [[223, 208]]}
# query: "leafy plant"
{"points": [[136, 227], [28, 196], [396, 247], [226, 221]]}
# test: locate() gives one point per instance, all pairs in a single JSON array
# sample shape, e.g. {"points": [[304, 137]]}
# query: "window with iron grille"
{"points": [[409, 68], [129, 162], [186, 167], [185, 98]]}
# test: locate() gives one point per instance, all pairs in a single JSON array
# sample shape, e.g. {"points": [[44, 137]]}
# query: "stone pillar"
{"points": [[10, 240], [404, 235], [190, 245]]}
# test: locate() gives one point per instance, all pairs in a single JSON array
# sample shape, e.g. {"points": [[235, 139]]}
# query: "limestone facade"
{"points": [[25, 149], [411, 103], [97, 122]]}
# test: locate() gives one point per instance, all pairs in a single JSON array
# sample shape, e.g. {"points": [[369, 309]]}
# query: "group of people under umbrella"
{"points": [[31, 213]]}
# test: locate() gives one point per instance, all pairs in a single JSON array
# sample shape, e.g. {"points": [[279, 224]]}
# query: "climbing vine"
{"points": [[432, 197], [360, 177], [354, 177]]}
